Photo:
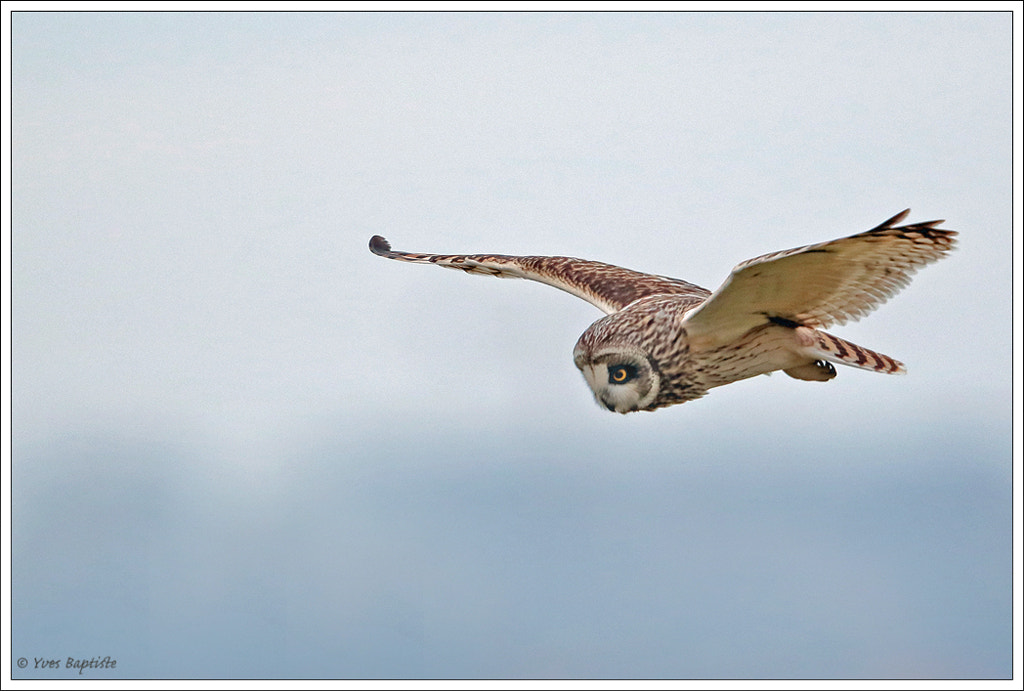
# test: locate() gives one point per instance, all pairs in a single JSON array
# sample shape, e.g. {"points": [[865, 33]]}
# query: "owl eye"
{"points": [[620, 374]]}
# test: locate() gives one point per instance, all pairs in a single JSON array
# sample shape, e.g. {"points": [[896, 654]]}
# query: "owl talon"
{"points": [[819, 370]]}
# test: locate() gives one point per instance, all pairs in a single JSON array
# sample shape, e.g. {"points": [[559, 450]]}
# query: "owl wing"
{"points": [[820, 285], [608, 287]]}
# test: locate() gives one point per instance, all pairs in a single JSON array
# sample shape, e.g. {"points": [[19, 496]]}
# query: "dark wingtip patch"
{"points": [[892, 221], [379, 245]]}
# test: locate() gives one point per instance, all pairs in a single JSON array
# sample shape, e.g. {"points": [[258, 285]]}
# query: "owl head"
{"points": [[638, 358], [623, 379]]}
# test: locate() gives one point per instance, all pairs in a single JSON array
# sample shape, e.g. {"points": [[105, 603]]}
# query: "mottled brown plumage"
{"points": [[608, 287], [664, 341]]}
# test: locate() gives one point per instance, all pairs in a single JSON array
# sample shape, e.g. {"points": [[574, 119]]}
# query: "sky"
{"points": [[244, 447]]}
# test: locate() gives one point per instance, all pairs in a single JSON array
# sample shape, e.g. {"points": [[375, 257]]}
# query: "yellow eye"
{"points": [[621, 374]]}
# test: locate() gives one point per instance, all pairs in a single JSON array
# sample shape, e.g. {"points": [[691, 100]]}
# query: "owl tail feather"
{"points": [[835, 349]]}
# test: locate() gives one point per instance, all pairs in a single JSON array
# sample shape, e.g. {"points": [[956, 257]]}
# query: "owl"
{"points": [[664, 341]]}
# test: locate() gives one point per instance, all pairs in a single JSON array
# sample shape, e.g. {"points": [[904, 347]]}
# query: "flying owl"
{"points": [[664, 341]]}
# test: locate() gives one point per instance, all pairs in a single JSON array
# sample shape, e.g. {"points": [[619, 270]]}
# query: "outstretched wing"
{"points": [[820, 285], [608, 287]]}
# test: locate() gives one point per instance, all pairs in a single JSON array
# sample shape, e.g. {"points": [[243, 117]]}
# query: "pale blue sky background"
{"points": [[245, 447]]}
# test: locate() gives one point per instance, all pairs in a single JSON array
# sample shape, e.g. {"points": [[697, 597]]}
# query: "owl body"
{"points": [[640, 358], [664, 341]]}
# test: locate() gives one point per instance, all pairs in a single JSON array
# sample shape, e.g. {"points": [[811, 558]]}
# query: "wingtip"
{"points": [[895, 219], [379, 245], [920, 227]]}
